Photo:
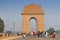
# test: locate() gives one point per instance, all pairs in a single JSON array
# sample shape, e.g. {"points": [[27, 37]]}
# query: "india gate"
{"points": [[29, 12]]}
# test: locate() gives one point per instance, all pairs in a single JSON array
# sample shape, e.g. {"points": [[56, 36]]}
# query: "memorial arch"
{"points": [[29, 12]]}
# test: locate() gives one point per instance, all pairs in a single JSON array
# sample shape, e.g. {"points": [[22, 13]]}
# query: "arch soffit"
{"points": [[33, 18]]}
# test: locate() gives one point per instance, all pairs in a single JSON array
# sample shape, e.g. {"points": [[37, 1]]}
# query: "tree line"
{"points": [[1, 25]]}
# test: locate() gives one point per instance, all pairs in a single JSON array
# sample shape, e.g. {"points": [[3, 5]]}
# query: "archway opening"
{"points": [[33, 24]]}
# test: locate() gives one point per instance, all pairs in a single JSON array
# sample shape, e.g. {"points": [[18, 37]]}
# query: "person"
{"points": [[38, 34], [23, 35], [46, 34], [50, 35], [34, 34], [53, 35], [41, 33]]}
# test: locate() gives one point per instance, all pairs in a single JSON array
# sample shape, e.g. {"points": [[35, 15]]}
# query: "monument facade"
{"points": [[29, 12]]}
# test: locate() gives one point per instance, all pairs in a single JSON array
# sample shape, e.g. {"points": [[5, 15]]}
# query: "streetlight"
{"points": [[13, 28]]}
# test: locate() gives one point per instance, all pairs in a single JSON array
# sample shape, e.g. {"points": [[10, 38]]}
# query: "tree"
{"points": [[1, 25], [50, 30]]}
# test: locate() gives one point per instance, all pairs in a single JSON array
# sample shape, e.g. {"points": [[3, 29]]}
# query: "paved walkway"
{"points": [[32, 38], [11, 38]]}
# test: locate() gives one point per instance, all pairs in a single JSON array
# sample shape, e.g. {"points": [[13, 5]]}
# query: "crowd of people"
{"points": [[44, 34], [41, 34]]}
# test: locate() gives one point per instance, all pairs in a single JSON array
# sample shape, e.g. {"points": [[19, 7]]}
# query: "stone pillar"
{"points": [[40, 23], [25, 24]]}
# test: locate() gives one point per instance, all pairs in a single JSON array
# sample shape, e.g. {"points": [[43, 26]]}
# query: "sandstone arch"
{"points": [[32, 11]]}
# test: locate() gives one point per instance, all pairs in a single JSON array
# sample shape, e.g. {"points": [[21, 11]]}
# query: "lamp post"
{"points": [[13, 28]]}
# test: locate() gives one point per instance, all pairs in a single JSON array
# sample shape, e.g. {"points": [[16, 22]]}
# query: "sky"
{"points": [[10, 12]]}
